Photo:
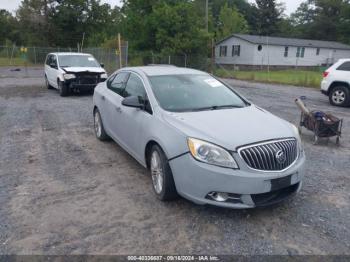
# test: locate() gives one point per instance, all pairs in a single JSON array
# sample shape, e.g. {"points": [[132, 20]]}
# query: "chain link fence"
{"points": [[35, 56], [113, 60]]}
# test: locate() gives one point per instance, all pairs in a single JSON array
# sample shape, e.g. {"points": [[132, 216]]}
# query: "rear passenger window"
{"points": [[344, 67], [134, 87], [117, 84]]}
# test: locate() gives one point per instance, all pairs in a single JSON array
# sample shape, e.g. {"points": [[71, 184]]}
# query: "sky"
{"points": [[12, 5]]}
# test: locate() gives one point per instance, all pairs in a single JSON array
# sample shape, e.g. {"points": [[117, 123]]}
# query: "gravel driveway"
{"points": [[64, 192]]}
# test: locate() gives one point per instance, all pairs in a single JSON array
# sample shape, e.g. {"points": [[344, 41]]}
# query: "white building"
{"points": [[255, 51]]}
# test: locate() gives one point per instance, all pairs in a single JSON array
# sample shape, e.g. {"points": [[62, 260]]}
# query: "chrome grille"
{"points": [[270, 156]]}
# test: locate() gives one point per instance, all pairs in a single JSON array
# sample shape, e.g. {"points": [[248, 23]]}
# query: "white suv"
{"points": [[336, 83], [73, 72]]}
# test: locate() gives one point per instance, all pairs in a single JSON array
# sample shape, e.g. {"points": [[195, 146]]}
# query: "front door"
{"points": [[133, 120], [53, 71]]}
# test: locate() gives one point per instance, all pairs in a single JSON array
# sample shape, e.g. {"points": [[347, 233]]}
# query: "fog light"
{"points": [[218, 196]]}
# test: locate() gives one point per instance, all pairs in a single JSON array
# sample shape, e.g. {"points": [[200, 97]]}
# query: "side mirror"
{"points": [[102, 65], [133, 101], [53, 65]]}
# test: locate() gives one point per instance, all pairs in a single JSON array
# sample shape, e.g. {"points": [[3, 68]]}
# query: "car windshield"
{"points": [[77, 61], [181, 93]]}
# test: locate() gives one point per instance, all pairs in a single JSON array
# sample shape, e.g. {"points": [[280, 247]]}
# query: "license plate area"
{"points": [[282, 182]]}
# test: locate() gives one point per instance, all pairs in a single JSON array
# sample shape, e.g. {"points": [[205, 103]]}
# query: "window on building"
{"points": [[318, 51], [344, 67], [300, 51], [236, 50], [286, 51], [223, 50]]}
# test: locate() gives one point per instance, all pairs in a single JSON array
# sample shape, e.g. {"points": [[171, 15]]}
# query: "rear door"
{"points": [[111, 104], [343, 72]]}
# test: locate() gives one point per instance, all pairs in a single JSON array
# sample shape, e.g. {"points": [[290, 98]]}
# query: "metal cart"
{"points": [[323, 125]]}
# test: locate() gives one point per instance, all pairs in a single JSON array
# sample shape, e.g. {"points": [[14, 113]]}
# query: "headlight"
{"points": [[68, 76], [297, 136], [210, 154], [104, 75]]}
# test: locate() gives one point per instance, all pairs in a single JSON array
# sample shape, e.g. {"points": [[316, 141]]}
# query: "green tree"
{"points": [[136, 23], [248, 11], [269, 15], [323, 19], [172, 27], [8, 28], [230, 22], [177, 28], [34, 21]]}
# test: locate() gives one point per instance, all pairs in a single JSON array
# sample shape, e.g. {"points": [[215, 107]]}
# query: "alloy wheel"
{"points": [[157, 172], [338, 97], [97, 123]]}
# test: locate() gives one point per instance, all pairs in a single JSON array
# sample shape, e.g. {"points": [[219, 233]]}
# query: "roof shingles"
{"points": [[282, 41]]}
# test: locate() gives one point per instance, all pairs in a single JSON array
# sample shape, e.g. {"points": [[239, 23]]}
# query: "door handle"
{"points": [[103, 97], [118, 109]]}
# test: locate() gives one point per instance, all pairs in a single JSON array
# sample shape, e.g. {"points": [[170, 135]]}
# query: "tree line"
{"points": [[168, 26]]}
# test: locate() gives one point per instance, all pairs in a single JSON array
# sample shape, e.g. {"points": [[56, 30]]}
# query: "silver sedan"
{"points": [[198, 137]]}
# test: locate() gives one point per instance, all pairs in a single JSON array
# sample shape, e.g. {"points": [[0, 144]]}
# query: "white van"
{"points": [[73, 72]]}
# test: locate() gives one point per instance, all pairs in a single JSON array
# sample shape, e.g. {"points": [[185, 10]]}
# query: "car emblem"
{"points": [[280, 157]]}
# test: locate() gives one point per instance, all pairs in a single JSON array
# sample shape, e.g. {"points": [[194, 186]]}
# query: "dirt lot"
{"points": [[64, 192]]}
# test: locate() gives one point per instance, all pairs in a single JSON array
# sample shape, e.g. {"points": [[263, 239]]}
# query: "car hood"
{"points": [[84, 69], [231, 128]]}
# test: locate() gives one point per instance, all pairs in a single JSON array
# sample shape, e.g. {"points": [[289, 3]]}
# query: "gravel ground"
{"points": [[64, 192]]}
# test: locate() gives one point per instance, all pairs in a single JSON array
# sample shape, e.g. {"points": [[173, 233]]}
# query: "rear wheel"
{"points": [[47, 84], [98, 126], [339, 96], [62, 88], [162, 177]]}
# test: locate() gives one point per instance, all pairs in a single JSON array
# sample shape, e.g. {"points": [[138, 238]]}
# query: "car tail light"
{"points": [[325, 74]]}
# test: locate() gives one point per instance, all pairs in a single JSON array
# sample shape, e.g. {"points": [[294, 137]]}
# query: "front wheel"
{"points": [[162, 177], [340, 96], [63, 88]]}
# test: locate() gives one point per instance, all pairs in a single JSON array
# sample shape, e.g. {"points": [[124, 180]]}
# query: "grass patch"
{"points": [[16, 61], [287, 77]]}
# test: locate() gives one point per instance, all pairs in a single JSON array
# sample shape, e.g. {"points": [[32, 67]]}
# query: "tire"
{"points": [[98, 127], [162, 178], [340, 96], [47, 84], [62, 88]]}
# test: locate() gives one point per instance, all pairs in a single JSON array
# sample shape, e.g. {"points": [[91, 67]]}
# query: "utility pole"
{"points": [[82, 42], [120, 51], [206, 15], [268, 58]]}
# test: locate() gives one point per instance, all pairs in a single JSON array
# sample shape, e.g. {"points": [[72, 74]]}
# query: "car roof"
{"points": [[70, 53], [155, 70]]}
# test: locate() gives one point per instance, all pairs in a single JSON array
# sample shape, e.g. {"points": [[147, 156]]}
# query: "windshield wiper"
{"points": [[216, 107]]}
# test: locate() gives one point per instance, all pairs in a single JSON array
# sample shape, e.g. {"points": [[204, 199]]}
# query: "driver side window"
{"points": [[53, 61], [134, 87], [48, 59]]}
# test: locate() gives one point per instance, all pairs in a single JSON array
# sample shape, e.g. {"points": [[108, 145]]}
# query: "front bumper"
{"points": [[194, 180], [74, 84]]}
